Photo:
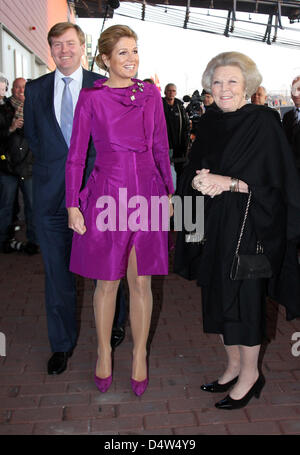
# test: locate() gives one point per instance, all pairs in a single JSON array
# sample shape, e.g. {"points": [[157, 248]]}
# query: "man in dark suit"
{"points": [[291, 122], [291, 126], [48, 114]]}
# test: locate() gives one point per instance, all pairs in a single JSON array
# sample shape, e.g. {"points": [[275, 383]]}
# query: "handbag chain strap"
{"points": [[243, 225]]}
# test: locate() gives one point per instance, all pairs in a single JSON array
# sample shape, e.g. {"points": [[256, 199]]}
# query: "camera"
{"points": [[194, 108]]}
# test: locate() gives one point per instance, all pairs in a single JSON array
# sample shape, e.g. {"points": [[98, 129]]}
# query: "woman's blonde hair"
{"points": [[109, 38], [252, 76]]}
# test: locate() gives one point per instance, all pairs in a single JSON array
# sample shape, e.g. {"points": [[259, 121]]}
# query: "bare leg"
{"points": [[104, 310], [140, 316], [242, 362], [248, 373], [233, 363]]}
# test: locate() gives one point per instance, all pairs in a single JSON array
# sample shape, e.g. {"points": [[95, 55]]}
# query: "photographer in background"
{"points": [[178, 127], [195, 107], [198, 104], [207, 99]]}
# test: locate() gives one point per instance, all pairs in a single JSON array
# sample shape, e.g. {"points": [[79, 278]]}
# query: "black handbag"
{"points": [[250, 266]]}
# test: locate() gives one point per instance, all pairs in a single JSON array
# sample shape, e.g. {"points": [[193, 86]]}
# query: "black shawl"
{"points": [[248, 144]]}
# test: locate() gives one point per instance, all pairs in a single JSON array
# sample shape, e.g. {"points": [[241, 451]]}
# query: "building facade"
{"points": [[24, 25]]}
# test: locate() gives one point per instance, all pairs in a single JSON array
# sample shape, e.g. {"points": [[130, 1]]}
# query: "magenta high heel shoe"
{"points": [[103, 384], [139, 387]]}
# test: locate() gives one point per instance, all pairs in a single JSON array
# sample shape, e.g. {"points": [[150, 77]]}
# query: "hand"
{"points": [[16, 123], [171, 213], [210, 184], [76, 220]]}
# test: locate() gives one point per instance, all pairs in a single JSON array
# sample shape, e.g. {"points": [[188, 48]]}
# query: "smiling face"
{"points": [[228, 88], [67, 51], [124, 61], [18, 89]]}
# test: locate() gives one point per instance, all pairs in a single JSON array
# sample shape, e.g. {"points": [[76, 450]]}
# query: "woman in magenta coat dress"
{"points": [[117, 231]]}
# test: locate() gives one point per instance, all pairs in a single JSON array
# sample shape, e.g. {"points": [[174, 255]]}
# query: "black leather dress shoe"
{"points": [[117, 336], [215, 387], [30, 248], [229, 403], [58, 362]]}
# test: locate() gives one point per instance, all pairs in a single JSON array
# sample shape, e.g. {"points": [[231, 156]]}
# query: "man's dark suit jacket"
{"points": [[292, 132], [48, 144]]}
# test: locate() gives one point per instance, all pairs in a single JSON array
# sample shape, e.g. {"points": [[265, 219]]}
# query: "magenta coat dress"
{"points": [[129, 133]]}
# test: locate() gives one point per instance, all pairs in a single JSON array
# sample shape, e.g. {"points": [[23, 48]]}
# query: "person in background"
{"points": [[260, 96], [291, 126], [178, 126], [291, 122], [207, 99], [16, 172], [6, 118], [149, 80]]}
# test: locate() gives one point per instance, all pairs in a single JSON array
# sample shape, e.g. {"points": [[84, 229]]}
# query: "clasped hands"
{"points": [[209, 184]]}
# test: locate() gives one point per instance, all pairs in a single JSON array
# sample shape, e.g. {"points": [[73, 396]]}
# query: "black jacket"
{"points": [[16, 157], [248, 144], [178, 135], [6, 117], [292, 132]]}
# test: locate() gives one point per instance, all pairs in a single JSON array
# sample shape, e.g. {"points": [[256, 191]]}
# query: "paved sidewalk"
{"points": [[182, 358]]}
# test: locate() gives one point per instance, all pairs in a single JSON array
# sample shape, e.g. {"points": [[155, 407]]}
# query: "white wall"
{"points": [[17, 61]]}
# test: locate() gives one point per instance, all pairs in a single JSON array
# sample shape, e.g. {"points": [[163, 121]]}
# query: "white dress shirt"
{"points": [[59, 85]]}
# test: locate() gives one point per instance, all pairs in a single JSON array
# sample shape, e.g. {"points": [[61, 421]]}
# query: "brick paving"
{"points": [[182, 357]]}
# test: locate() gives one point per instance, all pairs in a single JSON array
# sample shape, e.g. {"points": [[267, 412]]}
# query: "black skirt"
{"points": [[249, 330]]}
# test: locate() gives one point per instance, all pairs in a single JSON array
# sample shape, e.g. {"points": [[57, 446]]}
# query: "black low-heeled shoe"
{"points": [[215, 387], [58, 362], [255, 391]]}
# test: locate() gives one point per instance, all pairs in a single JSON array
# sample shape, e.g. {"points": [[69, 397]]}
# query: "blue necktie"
{"points": [[66, 113]]}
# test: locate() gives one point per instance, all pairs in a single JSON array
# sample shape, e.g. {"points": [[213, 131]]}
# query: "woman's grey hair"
{"points": [[249, 70]]}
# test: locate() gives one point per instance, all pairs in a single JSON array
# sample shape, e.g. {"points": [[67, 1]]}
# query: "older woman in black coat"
{"points": [[239, 148]]}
